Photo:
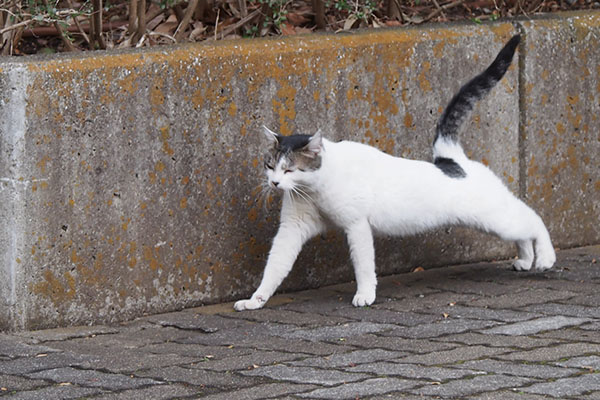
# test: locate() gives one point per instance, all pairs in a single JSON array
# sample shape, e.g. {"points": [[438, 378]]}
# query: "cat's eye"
{"points": [[268, 165], [287, 171]]}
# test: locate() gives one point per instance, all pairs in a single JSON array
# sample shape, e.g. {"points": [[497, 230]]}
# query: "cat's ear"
{"points": [[314, 146], [272, 138]]}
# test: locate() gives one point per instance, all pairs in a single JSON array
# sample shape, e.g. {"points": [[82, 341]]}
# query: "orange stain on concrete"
{"points": [[424, 83]]}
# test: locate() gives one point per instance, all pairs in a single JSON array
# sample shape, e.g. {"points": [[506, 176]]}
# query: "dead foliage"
{"points": [[38, 26]]}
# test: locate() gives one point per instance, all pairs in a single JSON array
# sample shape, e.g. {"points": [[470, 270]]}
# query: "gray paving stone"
{"points": [[434, 300], [529, 370], [383, 316], [402, 395], [590, 396], [554, 353], [58, 334], [13, 347], [91, 378], [561, 388], [289, 317], [543, 281], [132, 336], [397, 287], [535, 326], [453, 356], [593, 326], [589, 362], [524, 298], [196, 351], [360, 389], [297, 346], [494, 272], [128, 361], [22, 366], [576, 334], [162, 392], [492, 314], [439, 328], [335, 333], [573, 310], [270, 390], [201, 323], [64, 392], [413, 371], [200, 377], [586, 300], [474, 338], [320, 304], [466, 387], [469, 287], [305, 375], [11, 383], [348, 359], [260, 358], [507, 395], [370, 341], [245, 332]]}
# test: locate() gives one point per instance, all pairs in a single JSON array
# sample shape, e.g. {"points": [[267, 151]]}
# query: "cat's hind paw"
{"points": [[250, 304], [363, 299]]}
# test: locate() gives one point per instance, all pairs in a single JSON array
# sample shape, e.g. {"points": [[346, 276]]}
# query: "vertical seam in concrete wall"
{"points": [[15, 135], [522, 112]]}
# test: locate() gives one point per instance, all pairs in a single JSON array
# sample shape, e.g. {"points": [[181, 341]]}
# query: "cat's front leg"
{"points": [[362, 253], [287, 244]]}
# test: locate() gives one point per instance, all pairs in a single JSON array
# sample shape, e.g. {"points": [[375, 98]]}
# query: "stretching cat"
{"points": [[364, 191]]}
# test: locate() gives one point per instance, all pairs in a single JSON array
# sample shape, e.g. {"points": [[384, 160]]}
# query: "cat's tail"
{"points": [[462, 103]]}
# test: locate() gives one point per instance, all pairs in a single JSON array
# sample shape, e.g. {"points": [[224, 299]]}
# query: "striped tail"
{"points": [[462, 103]]}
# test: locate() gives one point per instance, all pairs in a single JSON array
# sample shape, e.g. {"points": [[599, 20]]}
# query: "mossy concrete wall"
{"points": [[130, 181]]}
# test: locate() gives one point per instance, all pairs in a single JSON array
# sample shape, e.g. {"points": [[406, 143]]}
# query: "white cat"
{"points": [[364, 191]]}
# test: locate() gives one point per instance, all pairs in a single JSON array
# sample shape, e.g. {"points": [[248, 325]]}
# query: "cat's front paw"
{"points": [[522, 265], [545, 261], [253, 303], [363, 299]]}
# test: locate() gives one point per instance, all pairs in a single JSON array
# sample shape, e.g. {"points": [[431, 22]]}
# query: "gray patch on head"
{"points": [[294, 159], [304, 162]]}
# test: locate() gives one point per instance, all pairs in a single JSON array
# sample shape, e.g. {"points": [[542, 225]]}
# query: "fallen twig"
{"points": [[239, 24]]}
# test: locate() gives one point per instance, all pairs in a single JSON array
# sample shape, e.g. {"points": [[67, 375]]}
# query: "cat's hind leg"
{"points": [[525, 251], [519, 223]]}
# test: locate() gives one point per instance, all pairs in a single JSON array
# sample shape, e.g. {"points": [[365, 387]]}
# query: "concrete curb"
{"points": [[130, 180]]}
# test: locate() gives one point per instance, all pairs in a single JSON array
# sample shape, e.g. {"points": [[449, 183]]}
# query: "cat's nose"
{"points": [[275, 183]]}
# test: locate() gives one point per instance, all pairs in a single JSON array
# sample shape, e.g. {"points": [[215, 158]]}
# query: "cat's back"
{"points": [[351, 151]]}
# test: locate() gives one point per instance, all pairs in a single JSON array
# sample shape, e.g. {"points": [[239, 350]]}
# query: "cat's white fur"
{"points": [[364, 191]]}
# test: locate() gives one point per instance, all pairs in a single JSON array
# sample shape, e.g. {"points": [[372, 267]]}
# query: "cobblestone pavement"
{"points": [[479, 331]]}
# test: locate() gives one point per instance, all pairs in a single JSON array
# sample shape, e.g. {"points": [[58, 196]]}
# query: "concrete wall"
{"points": [[130, 181]]}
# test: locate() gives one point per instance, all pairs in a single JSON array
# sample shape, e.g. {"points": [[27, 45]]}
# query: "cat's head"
{"points": [[290, 159]]}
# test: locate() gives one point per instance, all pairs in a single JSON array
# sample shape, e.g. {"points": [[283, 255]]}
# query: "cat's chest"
{"points": [[339, 207]]}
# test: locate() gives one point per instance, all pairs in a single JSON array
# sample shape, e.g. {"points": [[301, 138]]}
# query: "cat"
{"points": [[364, 191]]}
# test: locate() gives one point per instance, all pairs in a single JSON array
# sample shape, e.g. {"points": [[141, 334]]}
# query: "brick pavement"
{"points": [[471, 332]]}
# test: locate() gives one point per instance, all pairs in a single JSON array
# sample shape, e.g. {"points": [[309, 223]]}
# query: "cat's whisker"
{"points": [[261, 194], [302, 193], [266, 196]]}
